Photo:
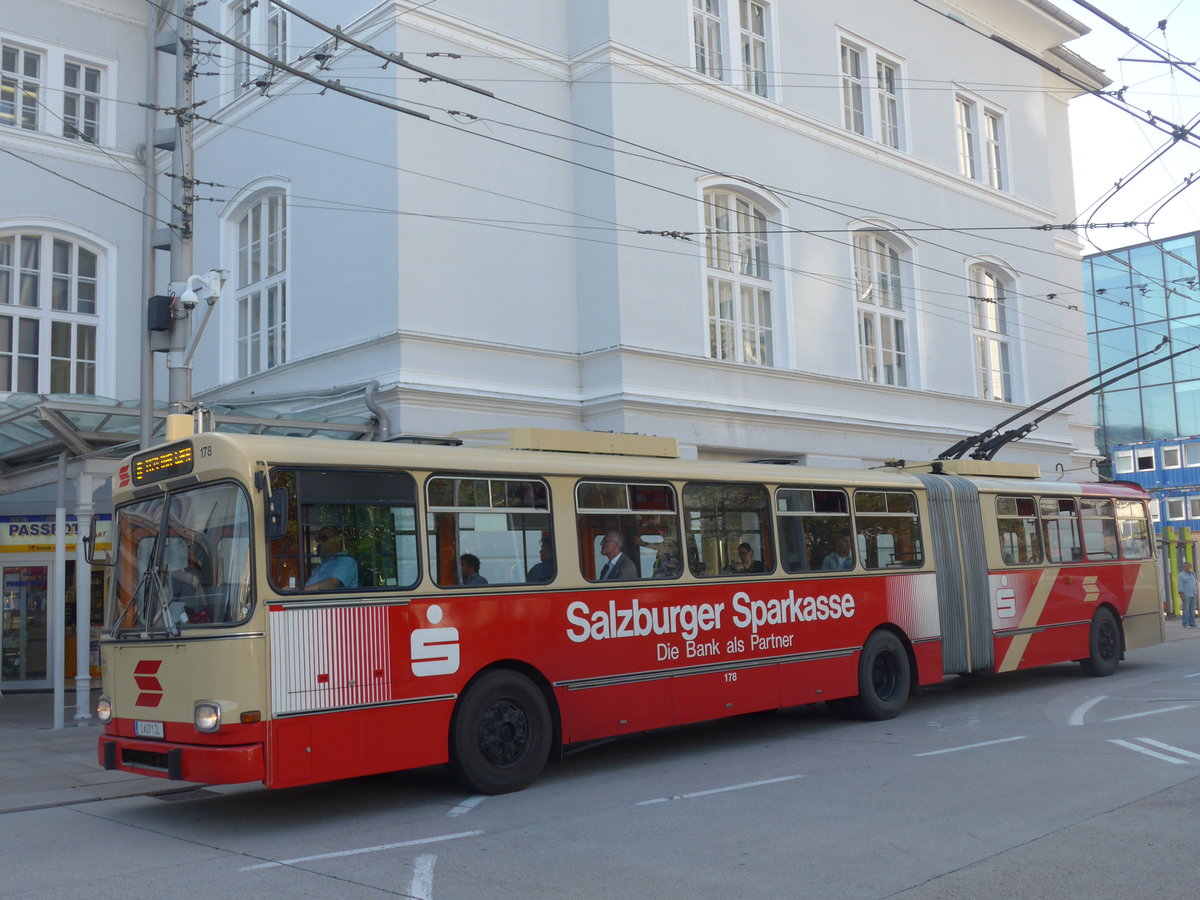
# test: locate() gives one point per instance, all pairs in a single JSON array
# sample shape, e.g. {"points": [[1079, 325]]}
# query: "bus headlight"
{"points": [[104, 710], [207, 717]]}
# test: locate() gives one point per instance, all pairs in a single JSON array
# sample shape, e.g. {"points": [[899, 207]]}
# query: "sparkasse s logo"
{"points": [[434, 651]]}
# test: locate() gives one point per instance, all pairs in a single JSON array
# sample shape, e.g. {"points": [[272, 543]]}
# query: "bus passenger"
{"points": [[543, 572], [468, 564], [746, 563], [338, 568], [666, 563], [841, 558], [619, 566]]}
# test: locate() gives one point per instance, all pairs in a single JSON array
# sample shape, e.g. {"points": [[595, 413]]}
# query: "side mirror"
{"points": [[89, 552], [277, 514]]}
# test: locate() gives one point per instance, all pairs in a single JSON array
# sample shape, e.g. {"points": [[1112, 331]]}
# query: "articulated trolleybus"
{"points": [[297, 610]]}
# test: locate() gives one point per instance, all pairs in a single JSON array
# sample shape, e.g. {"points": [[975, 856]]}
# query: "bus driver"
{"points": [[338, 568]]}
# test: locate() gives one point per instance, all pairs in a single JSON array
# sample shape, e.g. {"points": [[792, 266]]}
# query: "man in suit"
{"points": [[619, 566]]}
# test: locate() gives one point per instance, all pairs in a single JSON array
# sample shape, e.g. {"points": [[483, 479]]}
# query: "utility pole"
{"points": [[183, 188]]}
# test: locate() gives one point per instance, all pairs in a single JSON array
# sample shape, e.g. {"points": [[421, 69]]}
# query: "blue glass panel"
{"points": [[1187, 399], [1186, 333], [1149, 297], [1158, 411], [1123, 416], [1149, 337], [1110, 284], [1114, 347], [1179, 264]]}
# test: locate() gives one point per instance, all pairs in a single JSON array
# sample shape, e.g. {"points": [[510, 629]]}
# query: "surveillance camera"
{"points": [[188, 299]]}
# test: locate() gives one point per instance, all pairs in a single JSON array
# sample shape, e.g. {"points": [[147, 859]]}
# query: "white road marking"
{"points": [[422, 880], [1081, 711], [1193, 675], [972, 746], [1132, 746], [467, 805], [396, 846], [1150, 712], [720, 790], [1188, 753]]}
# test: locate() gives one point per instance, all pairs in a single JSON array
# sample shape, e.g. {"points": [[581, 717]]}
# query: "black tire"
{"points": [[1104, 644], [884, 677], [500, 734]]}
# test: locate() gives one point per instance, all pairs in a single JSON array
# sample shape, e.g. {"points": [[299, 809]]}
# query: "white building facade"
{"points": [[796, 230], [766, 229]]}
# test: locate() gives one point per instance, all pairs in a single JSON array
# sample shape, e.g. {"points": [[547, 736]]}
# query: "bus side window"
{"points": [[1099, 527], [497, 524], [1134, 527], [1060, 524], [889, 529], [370, 514], [728, 529], [641, 516], [812, 522], [1020, 537]]}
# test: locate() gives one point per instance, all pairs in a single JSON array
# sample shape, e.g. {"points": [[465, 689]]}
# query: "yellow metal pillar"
{"points": [[1173, 604]]}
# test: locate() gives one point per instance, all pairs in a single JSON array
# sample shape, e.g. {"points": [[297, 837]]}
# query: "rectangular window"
{"points": [[1176, 509], [239, 31], [1098, 518], [1193, 507], [706, 36], [727, 529], [276, 32], [19, 351], [754, 47], [888, 529], [965, 129], [814, 529], [343, 530], [1144, 459], [81, 102], [993, 142], [1171, 457], [1134, 529], [1123, 462], [853, 117], [884, 357], [1020, 537], [995, 372], [886, 75], [484, 530], [627, 531], [20, 87], [1060, 524]]}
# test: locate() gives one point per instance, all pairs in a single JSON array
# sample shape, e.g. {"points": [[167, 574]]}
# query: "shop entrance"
{"points": [[25, 595]]}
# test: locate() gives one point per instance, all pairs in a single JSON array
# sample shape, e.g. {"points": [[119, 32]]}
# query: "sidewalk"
{"points": [[41, 766]]}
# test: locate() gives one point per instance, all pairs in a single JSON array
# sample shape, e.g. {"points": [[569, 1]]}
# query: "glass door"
{"points": [[24, 594]]}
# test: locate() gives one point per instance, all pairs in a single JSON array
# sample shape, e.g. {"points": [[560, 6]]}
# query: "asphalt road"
{"points": [[1038, 784]]}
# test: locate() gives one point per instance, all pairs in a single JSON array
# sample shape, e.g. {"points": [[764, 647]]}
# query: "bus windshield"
{"points": [[182, 561]]}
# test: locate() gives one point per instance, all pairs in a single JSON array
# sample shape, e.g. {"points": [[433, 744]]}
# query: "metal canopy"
{"points": [[36, 428]]}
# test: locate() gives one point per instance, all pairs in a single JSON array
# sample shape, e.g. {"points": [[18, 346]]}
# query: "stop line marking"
{"points": [[973, 746], [720, 790], [1154, 753], [376, 849]]}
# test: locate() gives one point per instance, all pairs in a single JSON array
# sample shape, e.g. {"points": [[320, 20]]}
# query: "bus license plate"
{"points": [[148, 729]]}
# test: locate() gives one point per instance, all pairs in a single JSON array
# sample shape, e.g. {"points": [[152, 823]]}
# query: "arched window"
{"points": [[739, 289], [991, 333], [261, 298], [880, 308], [49, 296]]}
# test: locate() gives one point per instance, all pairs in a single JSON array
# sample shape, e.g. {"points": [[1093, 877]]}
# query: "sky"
{"points": [[1109, 145]]}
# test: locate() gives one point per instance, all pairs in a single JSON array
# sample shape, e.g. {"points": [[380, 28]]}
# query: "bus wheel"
{"points": [[1104, 644], [500, 734], [883, 677]]}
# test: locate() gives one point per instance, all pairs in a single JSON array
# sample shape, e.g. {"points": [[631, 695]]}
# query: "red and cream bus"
{"points": [[293, 610]]}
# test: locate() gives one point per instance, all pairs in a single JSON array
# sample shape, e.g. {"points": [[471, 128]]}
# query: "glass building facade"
{"points": [[1134, 297]]}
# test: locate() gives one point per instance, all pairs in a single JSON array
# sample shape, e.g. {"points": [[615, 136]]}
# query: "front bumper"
{"points": [[235, 764]]}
